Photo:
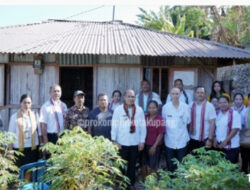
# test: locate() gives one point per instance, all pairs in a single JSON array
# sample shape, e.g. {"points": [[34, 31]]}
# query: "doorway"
{"points": [[76, 78]]}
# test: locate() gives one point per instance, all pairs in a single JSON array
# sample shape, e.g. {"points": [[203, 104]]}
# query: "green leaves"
{"points": [[187, 21], [79, 161], [203, 170], [8, 169]]}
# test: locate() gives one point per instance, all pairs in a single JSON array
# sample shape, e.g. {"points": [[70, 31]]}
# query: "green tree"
{"points": [[188, 21], [233, 26]]}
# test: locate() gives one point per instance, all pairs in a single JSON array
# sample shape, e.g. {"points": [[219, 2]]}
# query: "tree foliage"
{"points": [[229, 25], [233, 26], [189, 21]]}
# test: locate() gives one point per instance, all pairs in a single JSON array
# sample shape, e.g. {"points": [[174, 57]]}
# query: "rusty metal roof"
{"points": [[107, 38]]}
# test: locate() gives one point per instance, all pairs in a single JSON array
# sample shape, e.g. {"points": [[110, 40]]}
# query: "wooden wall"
{"points": [[49, 77], [1, 84], [122, 77], [23, 80], [205, 79]]}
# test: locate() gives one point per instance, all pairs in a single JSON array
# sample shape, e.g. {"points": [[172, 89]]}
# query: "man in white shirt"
{"points": [[185, 97], [128, 131], [228, 124], [146, 95], [176, 115], [52, 115], [202, 125]]}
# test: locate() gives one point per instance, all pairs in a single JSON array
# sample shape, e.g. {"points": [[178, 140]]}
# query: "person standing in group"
{"points": [[215, 102], [238, 104], [52, 115], [100, 118], [24, 123], [77, 115], [155, 132], [146, 95], [228, 124], [217, 90], [176, 115], [184, 96], [116, 100], [202, 124], [245, 152], [128, 132]]}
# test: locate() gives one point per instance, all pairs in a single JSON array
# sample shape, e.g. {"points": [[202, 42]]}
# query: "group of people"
{"points": [[141, 126]]}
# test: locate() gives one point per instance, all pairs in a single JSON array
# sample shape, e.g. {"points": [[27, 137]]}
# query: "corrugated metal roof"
{"points": [[107, 38]]}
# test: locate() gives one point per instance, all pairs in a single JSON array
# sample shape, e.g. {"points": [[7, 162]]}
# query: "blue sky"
{"points": [[12, 15]]}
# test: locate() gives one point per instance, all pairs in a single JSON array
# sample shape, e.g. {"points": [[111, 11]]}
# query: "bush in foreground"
{"points": [[201, 171]]}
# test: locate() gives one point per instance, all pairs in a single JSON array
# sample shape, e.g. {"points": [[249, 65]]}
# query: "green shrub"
{"points": [[202, 171], [79, 161], [8, 169]]}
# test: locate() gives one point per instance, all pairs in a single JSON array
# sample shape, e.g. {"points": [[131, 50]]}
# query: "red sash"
{"points": [[111, 105], [56, 116], [193, 119], [229, 125], [132, 127]]}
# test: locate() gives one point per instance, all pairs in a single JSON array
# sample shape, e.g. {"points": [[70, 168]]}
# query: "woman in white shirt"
{"points": [[228, 124], [238, 105], [116, 100], [24, 124]]}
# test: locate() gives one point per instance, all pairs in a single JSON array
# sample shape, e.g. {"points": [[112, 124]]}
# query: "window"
{"points": [[159, 81]]}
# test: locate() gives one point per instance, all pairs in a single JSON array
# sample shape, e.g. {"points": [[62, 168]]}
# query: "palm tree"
{"points": [[163, 21]]}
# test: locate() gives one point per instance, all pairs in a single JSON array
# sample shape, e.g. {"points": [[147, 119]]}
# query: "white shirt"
{"points": [[210, 114], [120, 127], [182, 98], [155, 97], [114, 106], [27, 129], [222, 125], [47, 115], [176, 135], [242, 113], [243, 116]]}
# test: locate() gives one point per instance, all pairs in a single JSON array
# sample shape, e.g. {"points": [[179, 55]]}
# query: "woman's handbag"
{"points": [[245, 138]]}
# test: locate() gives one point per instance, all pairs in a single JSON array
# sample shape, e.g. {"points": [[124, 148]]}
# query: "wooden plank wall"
{"points": [[205, 79], [23, 80], [49, 77], [1, 84], [110, 78]]}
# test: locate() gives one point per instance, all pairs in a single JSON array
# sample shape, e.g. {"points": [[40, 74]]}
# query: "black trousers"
{"points": [[29, 156], [52, 137], [179, 154], [245, 156], [194, 144], [130, 154], [231, 154]]}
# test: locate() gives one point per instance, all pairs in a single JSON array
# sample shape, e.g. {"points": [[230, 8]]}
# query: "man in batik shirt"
{"points": [[77, 115]]}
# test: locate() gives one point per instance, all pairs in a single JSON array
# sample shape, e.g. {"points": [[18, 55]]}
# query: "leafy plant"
{"points": [[233, 27], [79, 161], [204, 170], [181, 20], [8, 169]]}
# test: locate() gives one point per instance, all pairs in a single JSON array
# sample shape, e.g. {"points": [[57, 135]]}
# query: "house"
{"points": [[101, 57]]}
